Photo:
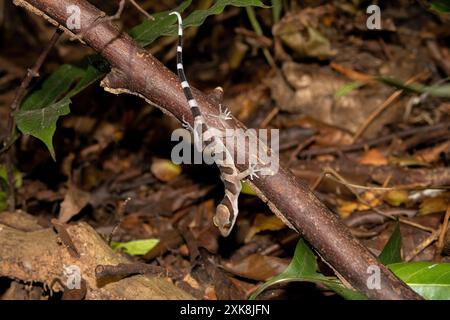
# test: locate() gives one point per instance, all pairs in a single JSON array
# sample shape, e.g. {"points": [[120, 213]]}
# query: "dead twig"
{"points": [[350, 187], [385, 105], [423, 245], [375, 141], [441, 240], [123, 270]]}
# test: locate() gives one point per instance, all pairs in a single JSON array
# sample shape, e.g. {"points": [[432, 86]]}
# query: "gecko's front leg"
{"points": [[223, 116]]}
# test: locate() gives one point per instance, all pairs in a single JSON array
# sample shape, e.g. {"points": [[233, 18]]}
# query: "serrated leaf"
{"points": [[135, 247], [430, 280], [165, 24], [41, 110], [392, 250], [303, 268]]}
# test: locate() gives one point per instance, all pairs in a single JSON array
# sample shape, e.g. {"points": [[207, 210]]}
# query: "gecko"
{"points": [[209, 139]]}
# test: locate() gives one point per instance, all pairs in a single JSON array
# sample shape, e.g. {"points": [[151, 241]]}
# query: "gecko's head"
{"points": [[222, 220]]}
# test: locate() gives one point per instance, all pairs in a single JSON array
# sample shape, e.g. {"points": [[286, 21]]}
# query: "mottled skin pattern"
{"points": [[209, 141]]}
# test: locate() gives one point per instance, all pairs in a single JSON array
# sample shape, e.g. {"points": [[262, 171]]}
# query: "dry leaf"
{"points": [[396, 197], [433, 154], [264, 222], [74, 201], [373, 157], [432, 205], [257, 267], [165, 170]]}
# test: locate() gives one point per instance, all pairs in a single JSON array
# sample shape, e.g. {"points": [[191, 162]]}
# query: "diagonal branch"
{"points": [[136, 71]]}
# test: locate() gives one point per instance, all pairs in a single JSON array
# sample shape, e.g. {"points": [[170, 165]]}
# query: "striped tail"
{"points": [[184, 84]]}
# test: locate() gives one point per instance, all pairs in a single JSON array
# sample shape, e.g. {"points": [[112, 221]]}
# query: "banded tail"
{"points": [[180, 70]]}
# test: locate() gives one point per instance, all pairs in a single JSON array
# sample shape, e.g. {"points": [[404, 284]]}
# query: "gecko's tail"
{"points": [[184, 83]]}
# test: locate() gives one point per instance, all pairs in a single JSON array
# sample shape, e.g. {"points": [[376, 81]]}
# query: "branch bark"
{"points": [[137, 72]]}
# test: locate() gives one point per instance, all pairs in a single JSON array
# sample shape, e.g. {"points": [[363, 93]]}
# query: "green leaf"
{"points": [[3, 204], [247, 189], [442, 91], [347, 88], [441, 6], [303, 268], [17, 176], [41, 110], [165, 24], [135, 247], [277, 7], [162, 24], [392, 250], [430, 280]]}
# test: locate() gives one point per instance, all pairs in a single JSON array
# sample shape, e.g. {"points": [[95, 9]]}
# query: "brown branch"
{"points": [[137, 72]]}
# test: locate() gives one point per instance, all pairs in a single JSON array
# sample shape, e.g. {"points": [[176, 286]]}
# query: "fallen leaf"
{"points": [[408, 162], [74, 201], [396, 197], [346, 208], [433, 154], [165, 170], [373, 157], [432, 205], [264, 222], [371, 199], [257, 267], [135, 247]]}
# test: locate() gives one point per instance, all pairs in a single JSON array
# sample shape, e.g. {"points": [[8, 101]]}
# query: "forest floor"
{"points": [[372, 150]]}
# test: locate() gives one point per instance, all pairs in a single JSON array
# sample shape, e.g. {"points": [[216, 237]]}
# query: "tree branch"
{"points": [[137, 72]]}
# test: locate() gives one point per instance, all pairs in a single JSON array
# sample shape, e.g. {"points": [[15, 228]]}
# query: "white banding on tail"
{"points": [[192, 103], [179, 49], [184, 84], [179, 66]]}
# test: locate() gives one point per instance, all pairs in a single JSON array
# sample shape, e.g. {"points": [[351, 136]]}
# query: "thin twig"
{"points": [[350, 187], [11, 131], [141, 10], [255, 25], [31, 73], [444, 228], [269, 117], [373, 142], [423, 245], [384, 106]]}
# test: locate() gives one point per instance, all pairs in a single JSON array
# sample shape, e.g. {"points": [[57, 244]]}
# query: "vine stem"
{"points": [[8, 144]]}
